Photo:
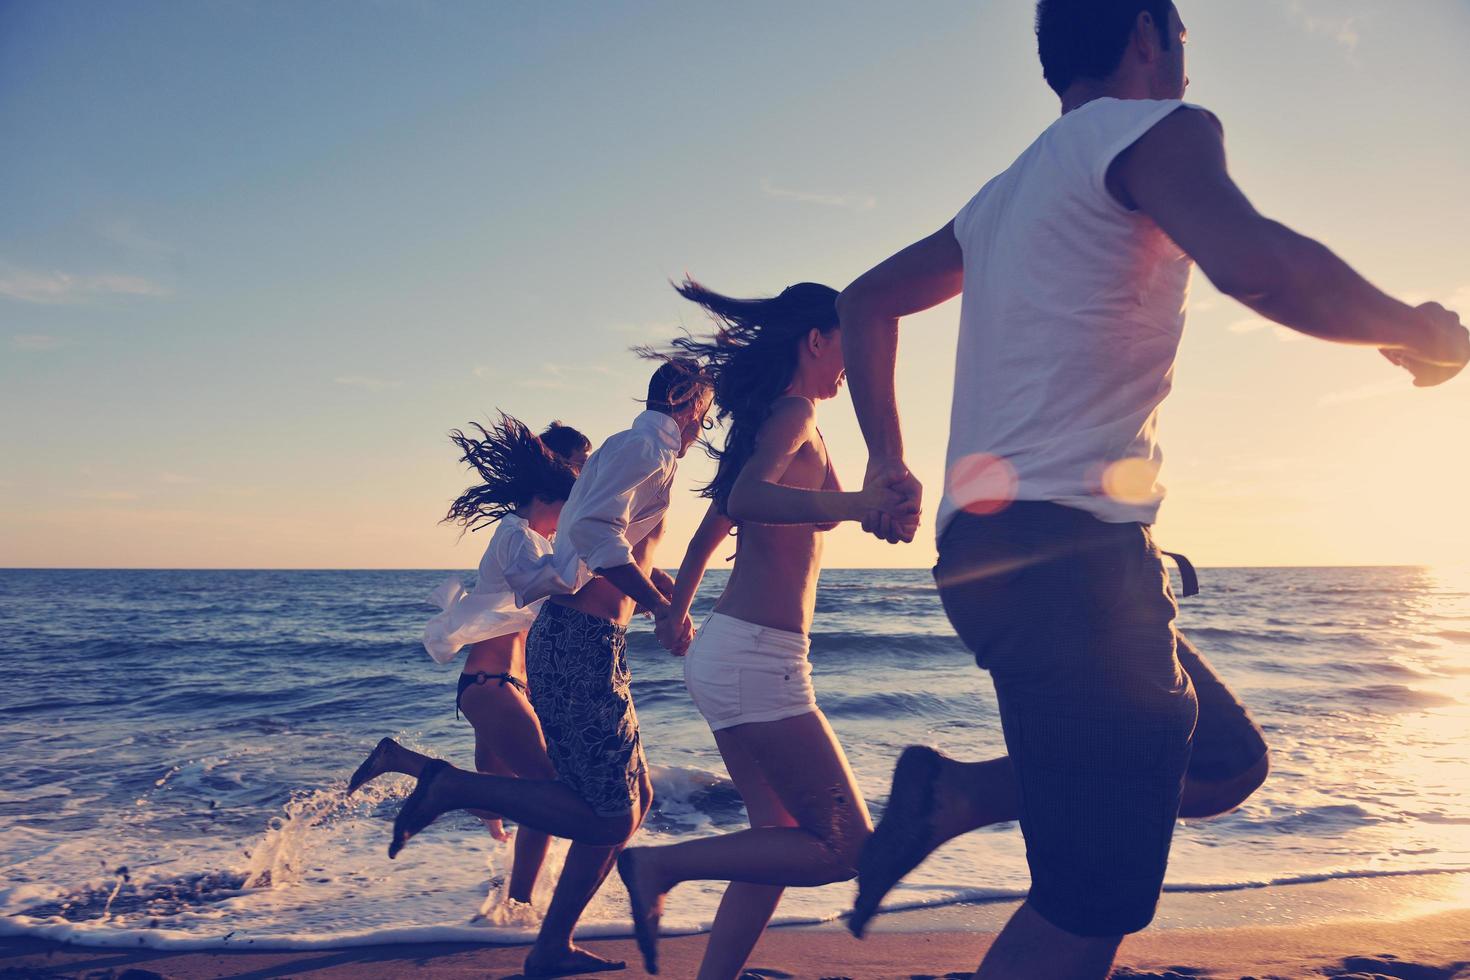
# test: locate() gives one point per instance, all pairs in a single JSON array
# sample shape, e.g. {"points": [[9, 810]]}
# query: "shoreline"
{"points": [[1385, 927]]}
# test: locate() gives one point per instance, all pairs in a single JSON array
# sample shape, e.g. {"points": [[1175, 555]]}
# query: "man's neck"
{"points": [[1087, 90]]}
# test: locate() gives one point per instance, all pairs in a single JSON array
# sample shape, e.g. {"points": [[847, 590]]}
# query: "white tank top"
{"points": [[1072, 313]]}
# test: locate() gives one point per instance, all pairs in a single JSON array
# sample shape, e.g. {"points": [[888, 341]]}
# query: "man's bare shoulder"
{"points": [[1189, 139]]}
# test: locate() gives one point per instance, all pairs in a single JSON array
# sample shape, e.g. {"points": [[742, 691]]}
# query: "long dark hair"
{"points": [[753, 358], [514, 466]]}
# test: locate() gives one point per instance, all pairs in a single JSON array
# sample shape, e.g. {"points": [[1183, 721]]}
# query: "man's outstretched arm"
{"points": [[1177, 175], [925, 274]]}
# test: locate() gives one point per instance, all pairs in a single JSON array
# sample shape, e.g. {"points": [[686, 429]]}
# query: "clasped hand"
{"points": [[674, 635], [1443, 352], [892, 498]]}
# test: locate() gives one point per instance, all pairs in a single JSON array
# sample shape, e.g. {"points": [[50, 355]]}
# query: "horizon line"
{"points": [[449, 568]]}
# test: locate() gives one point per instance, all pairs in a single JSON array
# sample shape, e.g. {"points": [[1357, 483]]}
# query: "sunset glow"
{"points": [[242, 344]]}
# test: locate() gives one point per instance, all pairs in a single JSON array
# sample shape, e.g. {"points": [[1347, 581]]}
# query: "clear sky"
{"points": [[257, 258]]}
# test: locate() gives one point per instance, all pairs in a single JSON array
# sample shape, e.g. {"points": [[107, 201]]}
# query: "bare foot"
{"points": [[383, 758], [905, 836], [646, 897], [420, 809], [568, 962], [496, 828]]}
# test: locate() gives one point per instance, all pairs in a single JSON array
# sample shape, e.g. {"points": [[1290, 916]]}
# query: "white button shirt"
{"points": [[620, 496], [517, 560]]}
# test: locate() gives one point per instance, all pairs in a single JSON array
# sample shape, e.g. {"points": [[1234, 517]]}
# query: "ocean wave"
{"points": [[88, 933], [894, 704], [1397, 696], [1318, 819]]}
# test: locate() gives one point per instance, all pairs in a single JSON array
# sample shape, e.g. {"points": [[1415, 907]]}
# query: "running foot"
{"points": [[647, 902], [496, 828], [569, 962], [420, 809], [905, 836], [379, 761]]}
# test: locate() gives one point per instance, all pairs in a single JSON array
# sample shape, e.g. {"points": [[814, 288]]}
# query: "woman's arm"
{"points": [[758, 497], [714, 529], [831, 483]]}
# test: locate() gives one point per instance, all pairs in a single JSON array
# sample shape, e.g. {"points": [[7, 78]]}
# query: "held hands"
{"points": [[674, 635], [891, 498], [1443, 351]]}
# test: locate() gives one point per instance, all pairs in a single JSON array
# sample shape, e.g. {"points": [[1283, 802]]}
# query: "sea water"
{"points": [[176, 743]]}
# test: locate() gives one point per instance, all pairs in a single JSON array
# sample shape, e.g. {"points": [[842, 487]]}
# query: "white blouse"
{"points": [[517, 561], [620, 496]]}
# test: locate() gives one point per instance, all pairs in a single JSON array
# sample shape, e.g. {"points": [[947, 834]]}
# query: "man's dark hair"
{"points": [[565, 441], [677, 384], [1087, 38]]}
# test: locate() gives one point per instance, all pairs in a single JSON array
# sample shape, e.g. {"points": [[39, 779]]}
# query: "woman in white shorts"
{"points": [[747, 670]]}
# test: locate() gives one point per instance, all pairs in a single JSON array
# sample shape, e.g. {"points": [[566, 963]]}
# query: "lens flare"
{"points": [[1131, 481], [982, 483]]}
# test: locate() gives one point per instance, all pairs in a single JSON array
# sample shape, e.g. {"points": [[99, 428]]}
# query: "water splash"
{"points": [[284, 852]]}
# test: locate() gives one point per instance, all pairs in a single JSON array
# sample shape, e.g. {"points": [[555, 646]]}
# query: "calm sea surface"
{"points": [[176, 744]]}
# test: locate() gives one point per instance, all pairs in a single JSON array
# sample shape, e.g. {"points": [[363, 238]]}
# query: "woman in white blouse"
{"points": [[525, 481]]}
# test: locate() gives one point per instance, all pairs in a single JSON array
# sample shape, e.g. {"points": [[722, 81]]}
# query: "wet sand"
{"points": [[930, 944]]}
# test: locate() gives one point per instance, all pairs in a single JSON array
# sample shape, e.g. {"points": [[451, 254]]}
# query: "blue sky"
{"points": [[259, 257]]}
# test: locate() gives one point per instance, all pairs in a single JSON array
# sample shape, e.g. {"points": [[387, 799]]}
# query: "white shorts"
{"points": [[738, 672]]}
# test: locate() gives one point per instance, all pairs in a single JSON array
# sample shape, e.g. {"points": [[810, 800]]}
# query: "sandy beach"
{"points": [[930, 944]]}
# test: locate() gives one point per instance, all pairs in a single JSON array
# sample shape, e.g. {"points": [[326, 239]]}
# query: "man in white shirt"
{"points": [[1074, 264], [577, 668]]}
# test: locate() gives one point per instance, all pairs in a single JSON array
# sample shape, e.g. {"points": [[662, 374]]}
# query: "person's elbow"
{"points": [[1265, 269], [859, 303], [740, 504], [603, 550]]}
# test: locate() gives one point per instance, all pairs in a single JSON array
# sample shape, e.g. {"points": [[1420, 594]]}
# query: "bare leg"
{"points": [[508, 742], [546, 805], [809, 774], [745, 909], [936, 799], [386, 756], [582, 874], [1031, 947]]}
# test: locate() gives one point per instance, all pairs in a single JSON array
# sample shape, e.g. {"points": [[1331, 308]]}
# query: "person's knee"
{"points": [[1211, 799], [844, 845], [610, 831]]}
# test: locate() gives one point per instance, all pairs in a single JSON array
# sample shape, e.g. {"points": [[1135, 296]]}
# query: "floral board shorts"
{"points": [[577, 666]]}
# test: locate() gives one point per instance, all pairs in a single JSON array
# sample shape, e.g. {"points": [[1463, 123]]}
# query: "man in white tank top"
{"points": [[1074, 265]]}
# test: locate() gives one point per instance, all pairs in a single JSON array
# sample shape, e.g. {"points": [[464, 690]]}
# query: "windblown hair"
{"points": [[676, 384], [753, 358], [515, 467], [565, 441], [1087, 38]]}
